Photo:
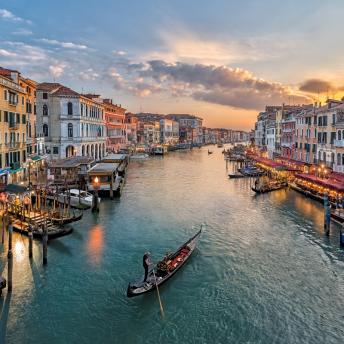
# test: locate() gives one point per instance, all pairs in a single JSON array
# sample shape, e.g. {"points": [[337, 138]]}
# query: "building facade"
{"points": [[115, 125], [169, 131], [71, 124], [13, 99]]}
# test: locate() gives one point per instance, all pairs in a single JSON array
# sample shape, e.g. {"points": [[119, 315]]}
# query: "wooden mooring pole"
{"points": [[9, 258], [30, 234], [327, 215], [341, 237], [45, 245]]}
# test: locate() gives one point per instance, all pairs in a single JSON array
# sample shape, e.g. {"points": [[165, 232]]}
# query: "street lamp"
{"points": [[95, 202]]}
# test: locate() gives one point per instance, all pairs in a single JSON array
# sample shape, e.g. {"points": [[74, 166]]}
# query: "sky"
{"points": [[222, 60]]}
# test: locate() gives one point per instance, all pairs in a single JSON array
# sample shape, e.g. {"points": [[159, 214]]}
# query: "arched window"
{"points": [[332, 157], [70, 108], [70, 130], [83, 150], [343, 134], [339, 135], [45, 130], [338, 159], [45, 110], [324, 157], [342, 159], [319, 156]]}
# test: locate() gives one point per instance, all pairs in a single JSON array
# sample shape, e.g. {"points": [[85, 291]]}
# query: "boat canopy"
{"points": [[103, 168]]}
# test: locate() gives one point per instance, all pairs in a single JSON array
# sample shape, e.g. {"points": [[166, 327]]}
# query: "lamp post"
{"points": [[95, 202]]}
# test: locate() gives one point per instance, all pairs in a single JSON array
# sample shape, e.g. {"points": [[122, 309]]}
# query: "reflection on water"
{"points": [[19, 251], [263, 271], [95, 244]]}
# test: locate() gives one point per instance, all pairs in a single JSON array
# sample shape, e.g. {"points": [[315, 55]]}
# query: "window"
{"points": [[339, 135], [70, 108], [333, 119], [24, 119], [45, 110], [70, 130], [338, 159], [333, 137], [55, 150], [18, 118], [45, 130], [45, 95], [324, 138], [342, 159], [5, 94], [325, 121]]}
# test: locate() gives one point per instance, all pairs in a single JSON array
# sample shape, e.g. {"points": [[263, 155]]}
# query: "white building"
{"points": [[71, 123], [271, 138], [169, 131]]}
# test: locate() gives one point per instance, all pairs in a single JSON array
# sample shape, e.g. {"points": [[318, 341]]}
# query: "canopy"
{"points": [[334, 182], [14, 188]]}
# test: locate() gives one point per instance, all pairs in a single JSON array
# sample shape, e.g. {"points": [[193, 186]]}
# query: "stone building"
{"points": [[71, 123]]}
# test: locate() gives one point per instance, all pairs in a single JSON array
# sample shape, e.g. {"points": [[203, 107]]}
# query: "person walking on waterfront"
{"points": [[146, 263]]}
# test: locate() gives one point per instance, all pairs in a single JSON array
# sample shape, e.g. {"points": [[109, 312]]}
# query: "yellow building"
{"points": [[13, 99], [30, 109]]}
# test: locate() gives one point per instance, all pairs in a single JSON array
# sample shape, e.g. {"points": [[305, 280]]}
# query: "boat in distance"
{"points": [[164, 269]]}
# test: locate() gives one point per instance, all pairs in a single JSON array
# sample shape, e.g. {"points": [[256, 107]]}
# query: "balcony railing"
{"points": [[13, 145], [13, 125], [339, 143]]}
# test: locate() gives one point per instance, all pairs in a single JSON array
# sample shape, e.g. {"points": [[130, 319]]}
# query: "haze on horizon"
{"points": [[222, 60]]}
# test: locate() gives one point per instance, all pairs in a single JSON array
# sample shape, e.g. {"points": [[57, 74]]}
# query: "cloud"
{"points": [[234, 87], [89, 74], [66, 45], [5, 14], [23, 32], [6, 53], [119, 52], [57, 69], [316, 86]]}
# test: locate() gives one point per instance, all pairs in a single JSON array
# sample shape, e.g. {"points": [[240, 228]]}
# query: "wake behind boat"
{"points": [[164, 269]]}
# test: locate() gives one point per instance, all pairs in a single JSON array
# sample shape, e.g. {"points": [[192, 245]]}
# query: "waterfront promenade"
{"points": [[263, 272]]}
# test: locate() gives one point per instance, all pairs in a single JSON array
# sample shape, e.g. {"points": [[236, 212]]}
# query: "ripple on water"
{"points": [[262, 273]]}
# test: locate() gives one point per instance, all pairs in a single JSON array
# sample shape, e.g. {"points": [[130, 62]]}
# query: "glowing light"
{"points": [[96, 180]]}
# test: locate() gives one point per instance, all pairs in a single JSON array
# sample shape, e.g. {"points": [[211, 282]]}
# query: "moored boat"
{"points": [[164, 269], [236, 175]]}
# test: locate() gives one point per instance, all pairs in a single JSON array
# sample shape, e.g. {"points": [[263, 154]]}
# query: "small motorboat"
{"points": [[164, 269], [236, 175], [77, 197], [139, 156]]}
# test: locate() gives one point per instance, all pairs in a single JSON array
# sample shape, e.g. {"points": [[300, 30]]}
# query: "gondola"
{"points": [[164, 269], [269, 189]]}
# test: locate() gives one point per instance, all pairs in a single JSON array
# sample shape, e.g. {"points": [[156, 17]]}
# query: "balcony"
{"points": [[339, 143], [13, 125], [13, 145]]}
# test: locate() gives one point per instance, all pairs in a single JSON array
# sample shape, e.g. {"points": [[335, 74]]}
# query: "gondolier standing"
{"points": [[146, 263]]}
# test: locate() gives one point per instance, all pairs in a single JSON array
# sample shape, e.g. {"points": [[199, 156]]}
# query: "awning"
{"points": [[36, 158], [331, 183], [15, 188], [16, 170]]}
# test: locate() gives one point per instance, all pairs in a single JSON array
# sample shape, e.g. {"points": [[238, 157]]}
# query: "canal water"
{"points": [[263, 271]]}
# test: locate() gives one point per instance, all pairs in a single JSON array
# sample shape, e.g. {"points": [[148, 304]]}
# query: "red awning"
{"points": [[331, 183]]}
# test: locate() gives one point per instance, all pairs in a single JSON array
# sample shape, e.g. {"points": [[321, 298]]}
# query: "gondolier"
{"points": [[164, 269], [146, 263]]}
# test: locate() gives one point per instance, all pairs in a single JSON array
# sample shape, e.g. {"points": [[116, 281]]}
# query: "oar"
{"points": [[157, 289]]}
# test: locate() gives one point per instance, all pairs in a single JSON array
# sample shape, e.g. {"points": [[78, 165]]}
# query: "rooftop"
{"points": [[71, 162], [103, 168]]}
